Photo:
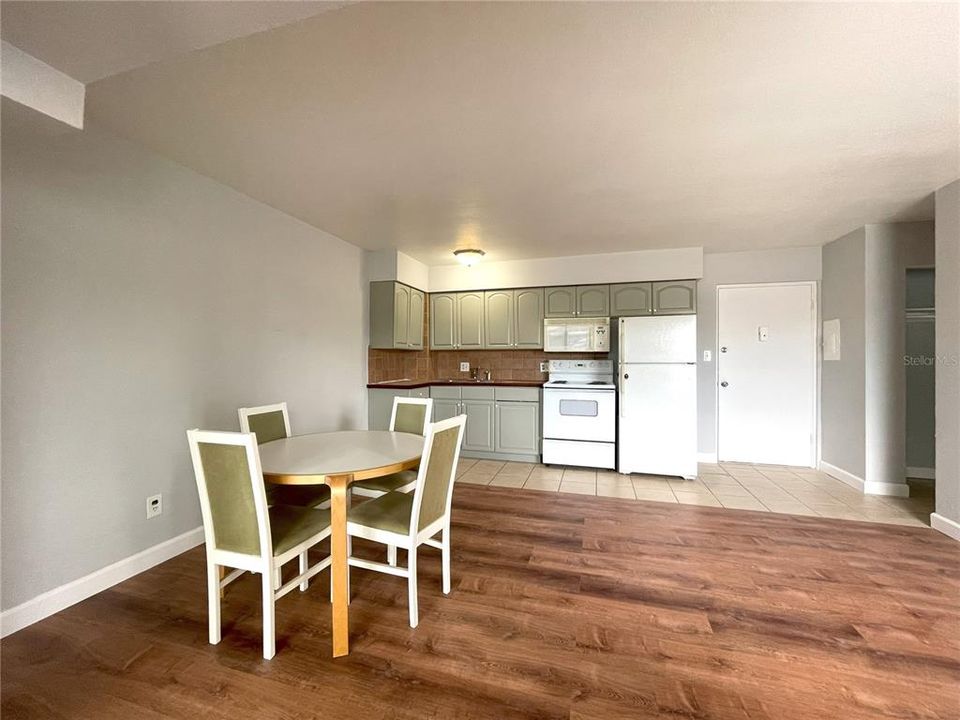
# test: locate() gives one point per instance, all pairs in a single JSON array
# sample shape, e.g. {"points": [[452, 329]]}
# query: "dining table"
{"points": [[337, 459]]}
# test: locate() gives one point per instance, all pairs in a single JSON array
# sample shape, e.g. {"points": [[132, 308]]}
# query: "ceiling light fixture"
{"points": [[469, 256]]}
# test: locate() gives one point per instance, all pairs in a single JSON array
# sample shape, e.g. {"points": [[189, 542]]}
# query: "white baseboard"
{"points": [[53, 601], [707, 458], [921, 473], [842, 475], [945, 525], [864, 486]]}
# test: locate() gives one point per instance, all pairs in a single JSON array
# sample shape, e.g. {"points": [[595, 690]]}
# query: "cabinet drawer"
{"points": [[421, 392], [521, 394], [445, 392], [469, 392]]}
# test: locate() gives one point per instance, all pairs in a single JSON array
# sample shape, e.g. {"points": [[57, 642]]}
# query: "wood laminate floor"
{"points": [[563, 606]]}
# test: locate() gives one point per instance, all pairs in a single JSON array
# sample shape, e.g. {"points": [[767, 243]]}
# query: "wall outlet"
{"points": [[543, 366], [465, 367], [154, 506], [707, 356]]}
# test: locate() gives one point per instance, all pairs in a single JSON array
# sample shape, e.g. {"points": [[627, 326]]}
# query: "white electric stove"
{"points": [[579, 414]]}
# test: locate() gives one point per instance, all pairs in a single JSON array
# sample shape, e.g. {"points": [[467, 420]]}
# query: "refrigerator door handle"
{"points": [[623, 394]]}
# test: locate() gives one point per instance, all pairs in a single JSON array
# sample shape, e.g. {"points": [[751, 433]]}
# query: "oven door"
{"points": [[579, 415]]}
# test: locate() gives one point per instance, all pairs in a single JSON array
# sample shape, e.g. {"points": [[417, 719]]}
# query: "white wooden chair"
{"points": [[242, 532], [408, 520], [272, 422], [410, 415]]}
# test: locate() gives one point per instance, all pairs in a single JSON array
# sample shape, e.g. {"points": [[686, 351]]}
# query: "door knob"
{"points": [[724, 383]]}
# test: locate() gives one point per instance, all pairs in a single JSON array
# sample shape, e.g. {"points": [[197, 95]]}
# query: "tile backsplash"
{"points": [[425, 365]]}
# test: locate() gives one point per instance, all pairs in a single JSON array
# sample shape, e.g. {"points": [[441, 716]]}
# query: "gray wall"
{"points": [[140, 299], [948, 351], [842, 382], [761, 266]]}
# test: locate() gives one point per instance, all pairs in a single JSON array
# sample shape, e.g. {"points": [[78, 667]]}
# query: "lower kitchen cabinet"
{"points": [[503, 423], [479, 434], [517, 428], [380, 404]]}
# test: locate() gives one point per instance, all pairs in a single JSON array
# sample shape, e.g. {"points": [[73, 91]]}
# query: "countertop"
{"points": [[408, 384]]}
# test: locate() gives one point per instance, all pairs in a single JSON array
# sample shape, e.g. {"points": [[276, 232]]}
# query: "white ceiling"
{"points": [[546, 129], [92, 40]]}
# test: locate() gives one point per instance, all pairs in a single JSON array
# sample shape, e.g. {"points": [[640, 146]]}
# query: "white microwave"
{"points": [[576, 334]]}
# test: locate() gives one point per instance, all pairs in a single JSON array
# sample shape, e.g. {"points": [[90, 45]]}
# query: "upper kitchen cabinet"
{"points": [[628, 299], [593, 300], [498, 318], [675, 297], [577, 301], [443, 321], [528, 317], [396, 316], [513, 318], [469, 320], [560, 301]]}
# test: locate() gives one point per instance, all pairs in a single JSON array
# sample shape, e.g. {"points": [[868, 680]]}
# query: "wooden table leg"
{"points": [[338, 554]]}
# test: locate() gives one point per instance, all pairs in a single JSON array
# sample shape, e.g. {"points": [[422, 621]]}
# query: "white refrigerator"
{"points": [[657, 395]]}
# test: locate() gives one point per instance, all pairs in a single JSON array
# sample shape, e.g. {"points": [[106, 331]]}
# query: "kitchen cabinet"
{"points": [[513, 318], [528, 318], [627, 299], [470, 320], [675, 297], [396, 316], [380, 406], [517, 428], [577, 301], [479, 433], [498, 318], [593, 300], [560, 302], [503, 422], [443, 321]]}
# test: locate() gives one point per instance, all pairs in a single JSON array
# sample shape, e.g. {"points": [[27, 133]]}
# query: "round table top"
{"points": [[308, 459]]}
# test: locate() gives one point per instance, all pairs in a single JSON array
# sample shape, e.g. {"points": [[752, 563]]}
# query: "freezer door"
{"points": [[667, 339], [658, 419]]}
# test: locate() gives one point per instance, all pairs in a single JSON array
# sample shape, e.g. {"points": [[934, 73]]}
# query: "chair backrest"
{"points": [[438, 468], [269, 422], [233, 500], [411, 415]]}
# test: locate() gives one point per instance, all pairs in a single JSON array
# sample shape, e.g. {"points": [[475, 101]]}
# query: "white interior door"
{"points": [[766, 372]]}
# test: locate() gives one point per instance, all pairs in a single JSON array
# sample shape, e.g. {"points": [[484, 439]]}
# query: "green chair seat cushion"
{"points": [[290, 526], [388, 483], [302, 495], [390, 512]]}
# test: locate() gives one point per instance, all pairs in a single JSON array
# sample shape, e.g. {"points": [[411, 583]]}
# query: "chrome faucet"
{"points": [[487, 376]]}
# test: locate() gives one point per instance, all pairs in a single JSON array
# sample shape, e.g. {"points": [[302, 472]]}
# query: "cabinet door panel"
{"points": [[593, 300], [478, 434], [380, 406], [445, 409], [631, 299], [415, 321], [676, 297], [401, 314], [528, 311], [498, 318], [443, 321], [560, 301], [518, 428], [470, 320]]}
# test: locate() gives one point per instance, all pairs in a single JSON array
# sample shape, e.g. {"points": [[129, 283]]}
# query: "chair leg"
{"points": [[412, 587], [392, 555], [269, 616], [213, 601], [304, 566], [445, 555]]}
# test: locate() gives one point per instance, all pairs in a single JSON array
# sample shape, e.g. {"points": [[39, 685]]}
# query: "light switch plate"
{"points": [[464, 367], [707, 356]]}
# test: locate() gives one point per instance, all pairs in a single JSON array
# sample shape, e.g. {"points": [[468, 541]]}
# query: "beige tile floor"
{"points": [[766, 488]]}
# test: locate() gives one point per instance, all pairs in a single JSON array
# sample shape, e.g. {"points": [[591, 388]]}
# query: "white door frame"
{"points": [[815, 386]]}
